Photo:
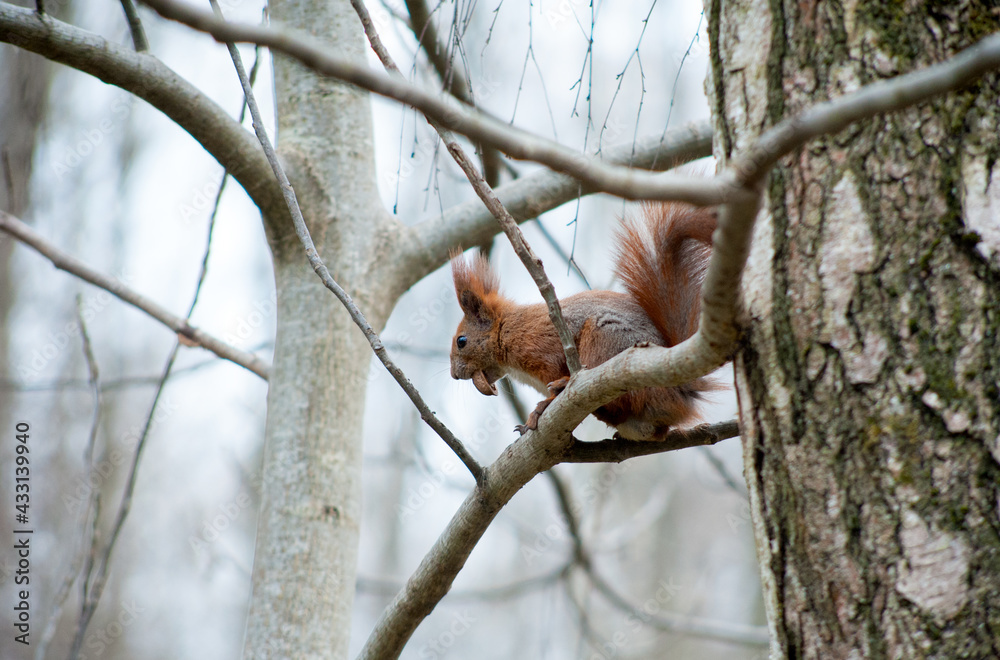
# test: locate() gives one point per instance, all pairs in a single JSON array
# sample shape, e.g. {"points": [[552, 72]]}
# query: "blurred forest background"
{"points": [[113, 182]]}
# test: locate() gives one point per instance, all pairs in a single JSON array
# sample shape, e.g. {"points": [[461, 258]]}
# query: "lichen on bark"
{"points": [[868, 378]]}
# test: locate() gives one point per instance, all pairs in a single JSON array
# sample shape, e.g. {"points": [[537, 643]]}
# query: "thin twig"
{"points": [[720, 468], [218, 196], [135, 27], [685, 625], [475, 124], [565, 499], [98, 578], [531, 262], [302, 231], [426, 33], [92, 507], [737, 633], [150, 79], [734, 184], [191, 334], [561, 253]]}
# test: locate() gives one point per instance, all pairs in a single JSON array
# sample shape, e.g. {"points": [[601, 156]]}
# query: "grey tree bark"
{"points": [[868, 377], [307, 538]]}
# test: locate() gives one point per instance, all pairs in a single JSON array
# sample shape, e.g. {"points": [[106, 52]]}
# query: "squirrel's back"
{"points": [[662, 259]]}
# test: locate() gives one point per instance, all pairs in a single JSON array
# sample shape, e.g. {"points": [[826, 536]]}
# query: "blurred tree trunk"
{"points": [[868, 380], [24, 81], [307, 537], [24, 88]]}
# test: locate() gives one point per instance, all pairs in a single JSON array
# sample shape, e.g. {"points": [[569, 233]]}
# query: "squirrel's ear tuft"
{"points": [[477, 276], [474, 283]]}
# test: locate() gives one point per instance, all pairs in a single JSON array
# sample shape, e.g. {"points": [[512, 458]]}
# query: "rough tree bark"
{"points": [[868, 377]]}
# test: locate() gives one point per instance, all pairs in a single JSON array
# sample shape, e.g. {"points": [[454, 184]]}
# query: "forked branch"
{"points": [[489, 198], [191, 335], [312, 255]]}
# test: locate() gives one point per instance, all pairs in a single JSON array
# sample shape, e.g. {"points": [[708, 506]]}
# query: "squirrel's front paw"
{"points": [[557, 386], [530, 425]]}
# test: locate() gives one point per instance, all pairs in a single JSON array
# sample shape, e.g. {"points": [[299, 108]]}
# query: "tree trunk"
{"points": [[868, 377], [307, 537]]}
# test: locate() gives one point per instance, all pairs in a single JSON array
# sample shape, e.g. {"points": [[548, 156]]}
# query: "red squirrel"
{"points": [[661, 260]]}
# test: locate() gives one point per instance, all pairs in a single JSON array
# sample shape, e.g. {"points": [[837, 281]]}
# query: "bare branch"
{"points": [[727, 631], [91, 508], [525, 458], [618, 450], [97, 578], [677, 623], [470, 223], [149, 79], [477, 125], [531, 262], [877, 98], [139, 40], [302, 231], [426, 33], [732, 483], [191, 334], [731, 185]]}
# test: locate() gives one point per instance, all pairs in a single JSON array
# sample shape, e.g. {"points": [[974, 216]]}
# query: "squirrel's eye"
{"points": [[461, 341]]}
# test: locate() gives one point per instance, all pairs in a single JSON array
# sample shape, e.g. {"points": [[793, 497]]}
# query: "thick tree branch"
{"points": [[191, 335], [312, 255], [731, 185], [474, 124], [470, 223], [639, 367], [157, 84], [874, 99]]}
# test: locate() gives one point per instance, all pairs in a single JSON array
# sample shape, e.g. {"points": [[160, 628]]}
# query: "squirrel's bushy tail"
{"points": [[662, 258]]}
